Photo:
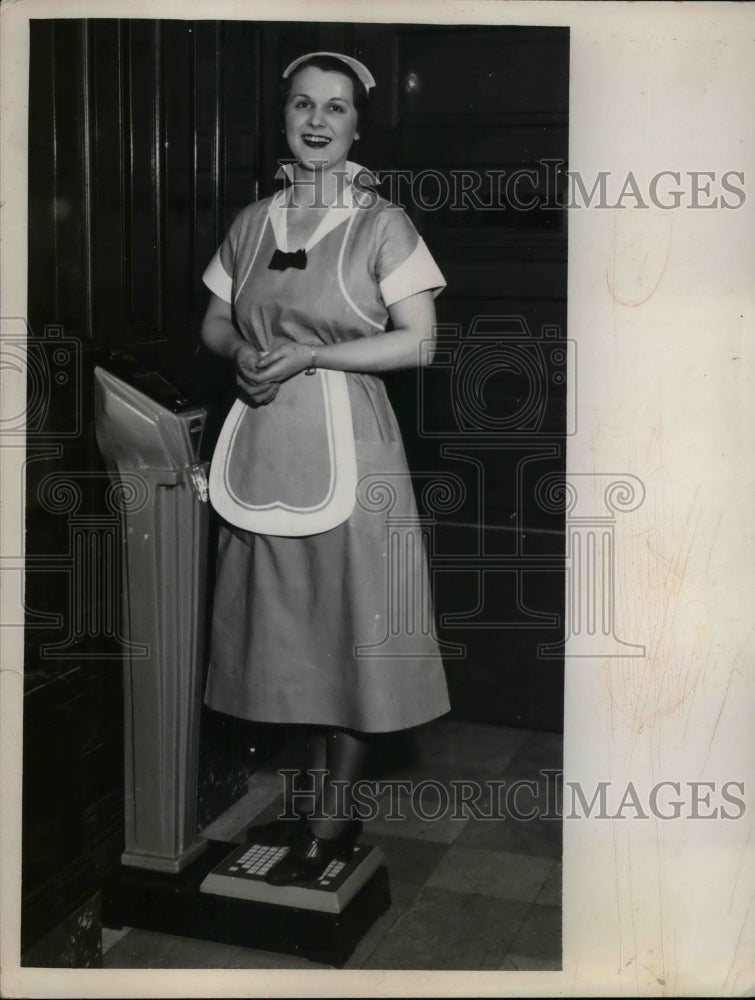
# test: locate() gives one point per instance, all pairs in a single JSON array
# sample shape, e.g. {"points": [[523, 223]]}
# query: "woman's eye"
{"points": [[301, 104], [337, 107]]}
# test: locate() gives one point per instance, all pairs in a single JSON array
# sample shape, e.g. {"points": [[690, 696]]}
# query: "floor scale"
{"points": [[172, 879]]}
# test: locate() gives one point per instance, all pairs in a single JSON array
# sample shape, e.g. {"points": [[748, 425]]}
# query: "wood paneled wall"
{"points": [[145, 139]]}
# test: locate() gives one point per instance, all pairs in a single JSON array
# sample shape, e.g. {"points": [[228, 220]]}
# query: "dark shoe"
{"points": [[310, 855]]}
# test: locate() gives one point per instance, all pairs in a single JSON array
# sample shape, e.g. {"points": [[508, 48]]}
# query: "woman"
{"points": [[312, 624]]}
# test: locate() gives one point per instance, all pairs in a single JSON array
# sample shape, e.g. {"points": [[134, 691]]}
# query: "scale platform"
{"points": [[242, 875], [210, 902]]}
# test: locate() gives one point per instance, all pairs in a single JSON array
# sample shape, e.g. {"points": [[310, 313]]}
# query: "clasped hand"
{"points": [[260, 375]]}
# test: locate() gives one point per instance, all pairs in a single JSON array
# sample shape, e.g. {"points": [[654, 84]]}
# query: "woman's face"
{"points": [[320, 118]]}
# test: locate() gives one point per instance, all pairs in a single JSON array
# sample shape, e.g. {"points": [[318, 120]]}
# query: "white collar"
{"points": [[346, 204], [286, 172]]}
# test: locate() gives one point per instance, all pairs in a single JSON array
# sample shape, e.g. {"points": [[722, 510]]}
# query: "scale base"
{"points": [[242, 875], [176, 904]]}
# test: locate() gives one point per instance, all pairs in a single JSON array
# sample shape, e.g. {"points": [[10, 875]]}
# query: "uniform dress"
{"points": [[316, 624]]}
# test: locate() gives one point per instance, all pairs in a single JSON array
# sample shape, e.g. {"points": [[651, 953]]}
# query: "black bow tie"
{"points": [[280, 260]]}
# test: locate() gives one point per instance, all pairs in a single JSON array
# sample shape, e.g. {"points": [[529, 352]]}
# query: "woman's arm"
{"points": [[220, 336], [413, 319], [218, 333]]}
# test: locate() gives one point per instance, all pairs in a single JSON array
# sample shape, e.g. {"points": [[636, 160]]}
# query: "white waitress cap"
{"points": [[359, 68]]}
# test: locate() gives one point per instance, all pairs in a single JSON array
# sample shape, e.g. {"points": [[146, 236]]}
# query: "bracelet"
{"points": [[312, 370]]}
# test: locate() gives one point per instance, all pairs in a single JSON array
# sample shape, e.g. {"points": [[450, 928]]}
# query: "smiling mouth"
{"points": [[314, 141]]}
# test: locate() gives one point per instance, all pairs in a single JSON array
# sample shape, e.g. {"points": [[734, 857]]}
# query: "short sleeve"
{"points": [[218, 275], [404, 265]]}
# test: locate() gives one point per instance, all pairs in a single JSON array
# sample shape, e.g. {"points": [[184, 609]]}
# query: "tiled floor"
{"points": [[468, 891]]}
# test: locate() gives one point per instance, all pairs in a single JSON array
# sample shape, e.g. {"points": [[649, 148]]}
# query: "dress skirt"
{"points": [[336, 628]]}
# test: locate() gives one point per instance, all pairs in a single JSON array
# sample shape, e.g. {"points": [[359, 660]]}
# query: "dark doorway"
{"points": [[472, 132]]}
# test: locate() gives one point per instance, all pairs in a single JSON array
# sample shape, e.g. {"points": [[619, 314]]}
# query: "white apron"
{"points": [[288, 468]]}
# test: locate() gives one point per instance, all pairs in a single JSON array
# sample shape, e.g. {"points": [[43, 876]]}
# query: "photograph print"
{"points": [[299, 392]]}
